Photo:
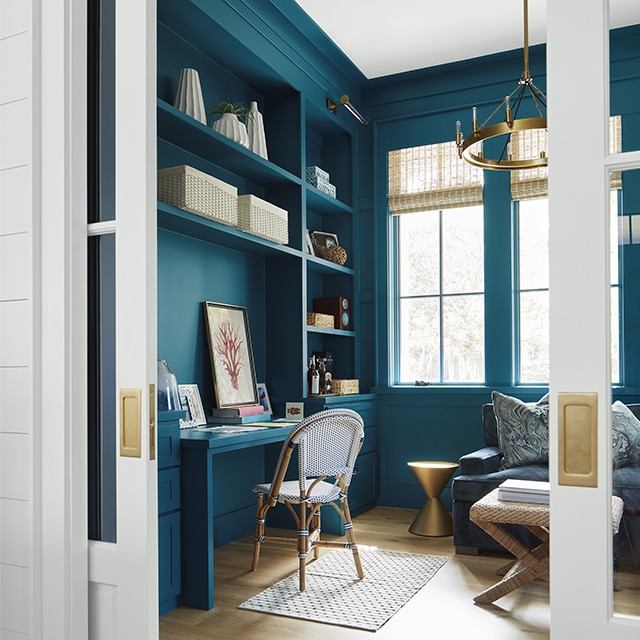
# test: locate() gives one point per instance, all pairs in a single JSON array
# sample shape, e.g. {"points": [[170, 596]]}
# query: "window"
{"points": [[440, 296], [532, 290], [437, 203]]}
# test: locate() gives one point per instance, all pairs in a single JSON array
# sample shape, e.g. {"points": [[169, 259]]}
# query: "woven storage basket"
{"points": [[194, 191], [263, 219], [345, 387], [320, 320]]}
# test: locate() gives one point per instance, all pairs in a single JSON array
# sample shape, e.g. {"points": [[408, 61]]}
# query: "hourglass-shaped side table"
{"points": [[433, 519]]}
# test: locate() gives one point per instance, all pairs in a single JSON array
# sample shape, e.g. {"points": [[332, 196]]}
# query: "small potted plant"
{"points": [[231, 122]]}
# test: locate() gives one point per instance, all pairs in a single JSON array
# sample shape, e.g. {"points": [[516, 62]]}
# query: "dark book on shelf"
{"points": [[238, 412]]}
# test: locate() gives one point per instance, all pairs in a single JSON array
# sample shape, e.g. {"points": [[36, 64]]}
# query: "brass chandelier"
{"points": [[471, 148]]}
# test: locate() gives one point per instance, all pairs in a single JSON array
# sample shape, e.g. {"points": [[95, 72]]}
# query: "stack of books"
{"points": [[240, 415], [524, 491]]}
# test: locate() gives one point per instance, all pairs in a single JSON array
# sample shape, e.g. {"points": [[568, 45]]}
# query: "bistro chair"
{"points": [[327, 445]]}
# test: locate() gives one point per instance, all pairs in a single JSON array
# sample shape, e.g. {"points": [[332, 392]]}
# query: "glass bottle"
{"points": [[313, 378], [168, 399]]}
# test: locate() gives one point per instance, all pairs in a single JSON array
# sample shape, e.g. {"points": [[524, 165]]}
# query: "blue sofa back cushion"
{"points": [[625, 426], [626, 436], [523, 431]]}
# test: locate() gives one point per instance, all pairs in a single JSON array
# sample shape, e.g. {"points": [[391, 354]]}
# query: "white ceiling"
{"points": [[384, 37]]}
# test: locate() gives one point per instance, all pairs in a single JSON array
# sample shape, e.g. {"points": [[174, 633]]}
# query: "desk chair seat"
{"points": [[327, 445]]}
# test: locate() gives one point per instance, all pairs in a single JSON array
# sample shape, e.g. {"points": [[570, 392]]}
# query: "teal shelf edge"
{"points": [[193, 136], [331, 332], [193, 226], [321, 266], [324, 204]]}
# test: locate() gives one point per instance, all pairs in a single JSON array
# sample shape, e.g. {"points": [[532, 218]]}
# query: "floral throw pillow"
{"points": [[523, 431], [626, 436]]}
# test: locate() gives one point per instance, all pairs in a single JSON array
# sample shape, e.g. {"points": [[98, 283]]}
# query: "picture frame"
{"points": [[263, 398], [191, 402], [309, 242], [234, 376], [321, 240]]}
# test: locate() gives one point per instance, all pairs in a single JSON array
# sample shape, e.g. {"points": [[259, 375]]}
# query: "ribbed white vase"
{"points": [[255, 129], [229, 125], [189, 95]]}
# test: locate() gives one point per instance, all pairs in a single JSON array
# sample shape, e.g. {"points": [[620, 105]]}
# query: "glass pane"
{"points": [[102, 389], [419, 253], [625, 346], [463, 338], [624, 21], [533, 243], [101, 110], [534, 336], [419, 340], [462, 250]]}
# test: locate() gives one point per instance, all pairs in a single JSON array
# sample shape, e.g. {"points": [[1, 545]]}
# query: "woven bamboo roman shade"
{"points": [[432, 177], [533, 183]]}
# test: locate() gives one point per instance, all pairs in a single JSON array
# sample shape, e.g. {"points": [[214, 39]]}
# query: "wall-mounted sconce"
{"points": [[349, 106]]}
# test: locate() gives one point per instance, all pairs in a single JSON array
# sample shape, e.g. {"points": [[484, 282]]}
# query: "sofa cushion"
{"points": [[471, 488], [626, 436], [523, 431]]}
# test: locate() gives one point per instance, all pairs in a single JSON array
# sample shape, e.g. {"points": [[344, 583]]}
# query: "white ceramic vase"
{"points": [[255, 129], [229, 125], [189, 95]]}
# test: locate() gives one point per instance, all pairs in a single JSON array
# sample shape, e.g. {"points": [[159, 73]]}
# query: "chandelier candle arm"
{"points": [[470, 148]]}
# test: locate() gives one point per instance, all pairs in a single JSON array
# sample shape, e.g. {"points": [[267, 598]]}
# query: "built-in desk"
{"points": [[217, 471]]}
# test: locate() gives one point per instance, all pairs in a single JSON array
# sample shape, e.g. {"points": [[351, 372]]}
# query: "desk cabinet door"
{"points": [[168, 559]]}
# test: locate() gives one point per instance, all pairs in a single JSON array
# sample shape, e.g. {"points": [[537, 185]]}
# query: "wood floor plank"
{"points": [[443, 607]]}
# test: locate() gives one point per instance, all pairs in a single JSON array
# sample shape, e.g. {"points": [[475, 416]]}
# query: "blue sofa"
{"points": [[480, 473]]}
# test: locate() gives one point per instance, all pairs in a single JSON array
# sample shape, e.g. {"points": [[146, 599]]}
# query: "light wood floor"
{"points": [[443, 608]]}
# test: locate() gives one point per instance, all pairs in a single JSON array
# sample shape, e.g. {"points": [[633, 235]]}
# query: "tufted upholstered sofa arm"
{"points": [[480, 462]]}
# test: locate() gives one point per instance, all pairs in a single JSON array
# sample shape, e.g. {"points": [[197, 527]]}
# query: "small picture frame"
{"points": [[321, 240], [191, 402], [263, 397], [294, 411], [309, 242]]}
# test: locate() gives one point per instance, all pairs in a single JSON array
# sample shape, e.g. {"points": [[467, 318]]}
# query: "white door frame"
{"points": [[581, 541], [64, 559], [59, 151]]}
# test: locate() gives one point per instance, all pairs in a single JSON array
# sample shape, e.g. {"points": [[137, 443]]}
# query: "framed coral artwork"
{"points": [[234, 375]]}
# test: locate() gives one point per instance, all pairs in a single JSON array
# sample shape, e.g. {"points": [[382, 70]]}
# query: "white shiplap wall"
{"points": [[16, 320]]}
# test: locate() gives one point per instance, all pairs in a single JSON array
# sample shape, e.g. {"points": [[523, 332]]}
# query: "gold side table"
{"points": [[433, 519]]}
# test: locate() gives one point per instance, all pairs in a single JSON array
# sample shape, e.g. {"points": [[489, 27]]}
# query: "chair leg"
{"points": [[259, 536], [303, 545], [351, 537], [316, 527]]}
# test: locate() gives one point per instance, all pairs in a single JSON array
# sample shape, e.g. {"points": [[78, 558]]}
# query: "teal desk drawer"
{"points": [[168, 490]]}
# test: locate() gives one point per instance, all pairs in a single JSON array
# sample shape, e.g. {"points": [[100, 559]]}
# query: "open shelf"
{"points": [[194, 226], [193, 136]]}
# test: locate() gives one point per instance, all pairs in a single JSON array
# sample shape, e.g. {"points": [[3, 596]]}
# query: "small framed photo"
{"points": [[263, 397], [191, 402], [294, 411], [309, 242], [234, 376], [321, 240]]}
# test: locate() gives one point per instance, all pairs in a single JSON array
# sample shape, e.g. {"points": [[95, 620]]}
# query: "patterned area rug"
{"points": [[334, 594]]}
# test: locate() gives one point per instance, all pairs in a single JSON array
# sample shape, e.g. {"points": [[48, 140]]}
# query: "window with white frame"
{"points": [[531, 210], [437, 203]]}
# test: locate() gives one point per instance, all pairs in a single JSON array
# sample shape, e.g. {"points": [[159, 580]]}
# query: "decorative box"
{"points": [[345, 387], [197, 192], [320, 320], [316, 172], [263, 219], [323, 185]]}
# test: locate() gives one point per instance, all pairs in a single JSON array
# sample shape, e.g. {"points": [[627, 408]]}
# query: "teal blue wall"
{"points": [[437, 422], [406, 110]]}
